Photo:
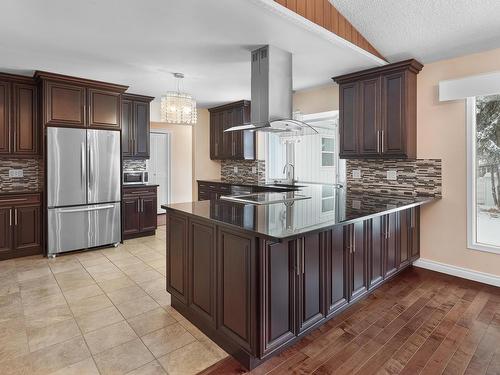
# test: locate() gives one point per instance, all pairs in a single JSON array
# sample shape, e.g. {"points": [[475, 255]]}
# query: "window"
{"points": [[314, 157], [327, 151], [327, 198], [483, 173]]}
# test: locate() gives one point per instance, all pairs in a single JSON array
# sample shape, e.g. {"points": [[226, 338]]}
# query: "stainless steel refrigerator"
{"points": [[83, 189]]}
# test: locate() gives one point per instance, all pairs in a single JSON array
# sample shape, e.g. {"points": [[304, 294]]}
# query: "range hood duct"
{"points": [[271, 94]]}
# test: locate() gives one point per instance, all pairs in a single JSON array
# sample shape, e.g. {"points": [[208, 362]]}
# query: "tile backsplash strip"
{"points": [[136, 165], [245, 171], [32, 180], [421, 177]]}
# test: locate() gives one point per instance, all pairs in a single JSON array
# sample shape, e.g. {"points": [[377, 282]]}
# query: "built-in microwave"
{"points": [[135, 177]]}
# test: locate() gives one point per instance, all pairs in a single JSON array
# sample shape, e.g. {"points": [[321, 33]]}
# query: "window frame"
{"points": [[471, 182], [328, 152]]}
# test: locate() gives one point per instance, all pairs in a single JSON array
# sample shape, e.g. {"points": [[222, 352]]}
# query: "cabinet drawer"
{"points": [[19, 199], [135, 191]]}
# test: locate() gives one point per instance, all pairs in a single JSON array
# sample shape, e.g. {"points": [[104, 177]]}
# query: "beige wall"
{"points": [[316, 100], [442, 134], [182, 156], [203, 167]]}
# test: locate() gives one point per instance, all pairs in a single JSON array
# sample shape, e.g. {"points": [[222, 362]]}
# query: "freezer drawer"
{"points": [[82, 227]]}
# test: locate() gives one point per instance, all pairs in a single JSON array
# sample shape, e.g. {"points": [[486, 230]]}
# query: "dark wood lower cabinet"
{"points": [[255, 297], [139, 211], [20, 226]]}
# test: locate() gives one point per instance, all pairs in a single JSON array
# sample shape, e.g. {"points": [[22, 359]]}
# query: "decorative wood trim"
{"points": [[324, 14], [41, 75], [412, 65], [223, 107], [136, 97], [465, 273]]}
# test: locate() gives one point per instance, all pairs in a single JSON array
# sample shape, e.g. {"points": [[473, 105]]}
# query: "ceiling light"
{"points": [[178, 107]]}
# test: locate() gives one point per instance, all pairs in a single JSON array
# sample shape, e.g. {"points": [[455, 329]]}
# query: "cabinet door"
{"points": [[148, 213], [215, 135], [5, 139], [6, 229], [26, 227], [336, 269], [141, 129], [348, 119], [415, 233], [375, 251], [310, 281], [393, 115], [65, 104], [236, 300], [228, 150], [358, 261], [202, 271], [177, 256], [104, 109], [404, 237], [26, 137], [391, 245], [277, 295], [131, 215], [127, 128], [369, 121]]}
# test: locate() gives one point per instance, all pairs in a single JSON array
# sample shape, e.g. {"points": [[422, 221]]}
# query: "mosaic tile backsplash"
{"points": [[32, 180], [136, 165], [421, 177], [245, 172]]}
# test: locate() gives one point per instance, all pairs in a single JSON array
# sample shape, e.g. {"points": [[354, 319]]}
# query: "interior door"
{"points": [[103, 166], [66, 167], [158, 167]]}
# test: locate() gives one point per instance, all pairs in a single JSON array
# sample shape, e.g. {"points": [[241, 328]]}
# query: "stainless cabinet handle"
{"points": [[142, 205], [297, 255], [10, 217], [382, 140], [82, 163], [138, 205], [15, 217], [353, 240], [378, 140]]}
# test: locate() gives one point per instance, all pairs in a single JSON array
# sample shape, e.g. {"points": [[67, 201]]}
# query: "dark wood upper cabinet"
{"points": [[277, 313], [64, 104], [71, 101], [135, 125], [26, 135], [127, 128], [19, 134], [104, 109], [237, 145], [5, 109], [378, 111]]}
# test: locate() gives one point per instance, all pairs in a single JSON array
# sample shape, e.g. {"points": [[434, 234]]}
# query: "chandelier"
{"points": [[178, 107]]}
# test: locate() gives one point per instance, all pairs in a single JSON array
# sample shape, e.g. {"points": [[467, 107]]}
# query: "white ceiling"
{"points": [[140, 43], [428, 30]]}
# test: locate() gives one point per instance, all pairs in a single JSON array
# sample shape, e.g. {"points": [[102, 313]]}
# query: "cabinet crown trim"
{"points": [[41, 75], [412, 65], [239, 103], [142, 98]]}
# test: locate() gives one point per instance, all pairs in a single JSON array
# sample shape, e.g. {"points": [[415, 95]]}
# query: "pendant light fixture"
{"points": [[178, 107]]}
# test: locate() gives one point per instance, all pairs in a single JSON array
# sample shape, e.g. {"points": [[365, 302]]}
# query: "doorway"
{"points": [[159, 166]]}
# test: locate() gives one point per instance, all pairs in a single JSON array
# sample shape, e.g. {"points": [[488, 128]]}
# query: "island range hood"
{"points": [[271, 94]]}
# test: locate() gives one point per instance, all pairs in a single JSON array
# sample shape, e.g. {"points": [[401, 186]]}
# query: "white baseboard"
{"points": [[464, 273]]}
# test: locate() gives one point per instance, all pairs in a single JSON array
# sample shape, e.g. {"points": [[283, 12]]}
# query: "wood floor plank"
{"points": [[486, 349]]}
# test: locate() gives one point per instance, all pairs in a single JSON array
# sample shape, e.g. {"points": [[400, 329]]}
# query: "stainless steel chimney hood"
{"points": [[271, 92]]}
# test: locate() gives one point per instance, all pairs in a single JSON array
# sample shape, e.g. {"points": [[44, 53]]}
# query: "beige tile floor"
{"points": [[98, 312]]}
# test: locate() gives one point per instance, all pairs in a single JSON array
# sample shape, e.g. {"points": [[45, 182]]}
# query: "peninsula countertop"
{"points": [[327, 206]]}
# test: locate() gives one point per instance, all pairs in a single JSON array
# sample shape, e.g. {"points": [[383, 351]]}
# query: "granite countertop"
{"points": [[327, 207]]}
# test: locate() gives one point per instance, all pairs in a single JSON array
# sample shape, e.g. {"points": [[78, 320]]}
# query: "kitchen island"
{"points": [[256, 277]]}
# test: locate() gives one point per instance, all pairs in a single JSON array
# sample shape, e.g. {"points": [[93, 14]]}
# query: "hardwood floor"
{"points": [[421, 322]]}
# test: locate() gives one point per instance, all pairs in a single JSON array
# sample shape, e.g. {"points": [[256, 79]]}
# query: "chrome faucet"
{"points": [[289, 172]]}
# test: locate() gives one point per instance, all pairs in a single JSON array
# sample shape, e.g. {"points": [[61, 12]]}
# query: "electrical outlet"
{"points": [[254, 170], [16, 173], [356, 204], [356, 174], [235, 169], [392, 175]]}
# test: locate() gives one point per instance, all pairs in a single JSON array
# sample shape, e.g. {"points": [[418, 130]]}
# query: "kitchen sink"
{"points": [[266, 197]]}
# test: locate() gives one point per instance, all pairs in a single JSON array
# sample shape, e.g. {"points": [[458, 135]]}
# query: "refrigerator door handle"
{"points": [[82, 164], [87, 209]]}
